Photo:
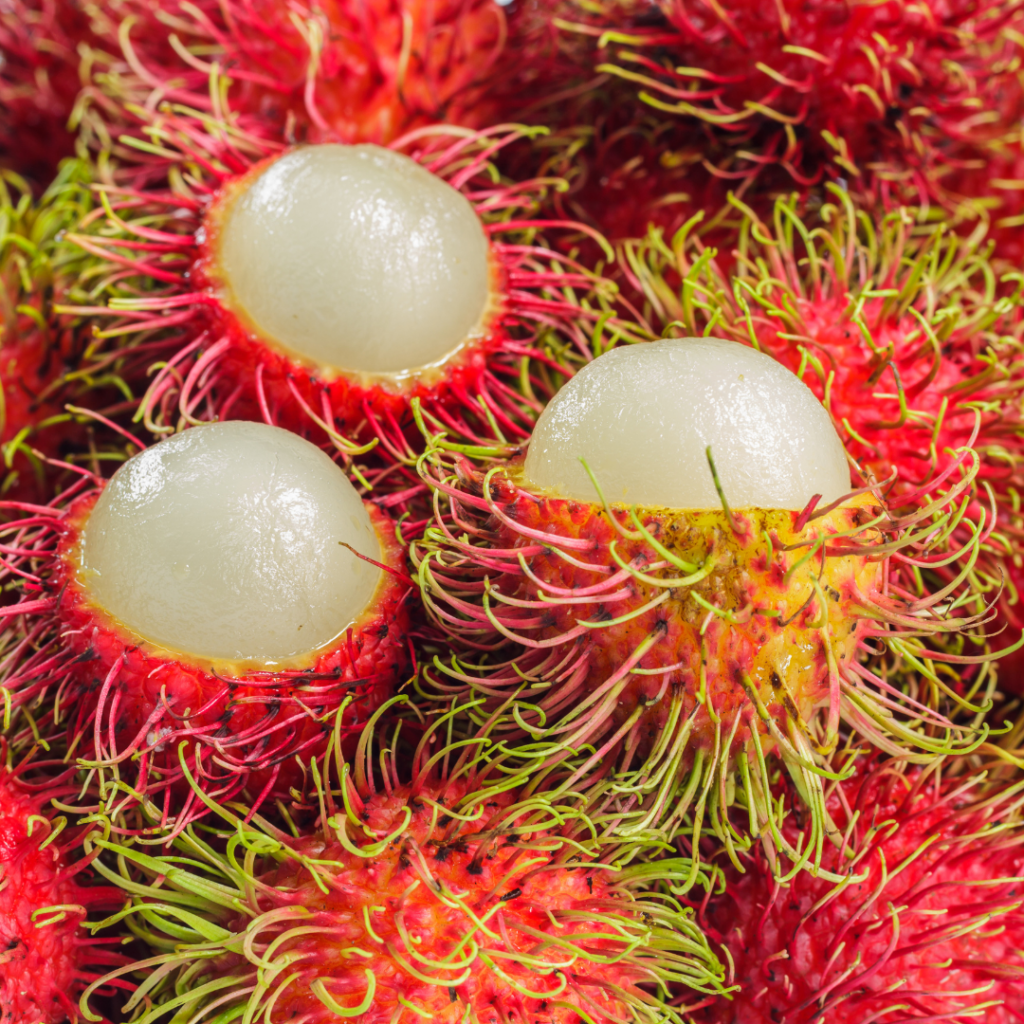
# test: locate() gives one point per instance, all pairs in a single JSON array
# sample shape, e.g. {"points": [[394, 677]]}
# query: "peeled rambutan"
{"points": [[893, 92], [383, 278], [679, 579], [901, 328], [920, 919], [463, 894], [46, 895], [224, 592]]}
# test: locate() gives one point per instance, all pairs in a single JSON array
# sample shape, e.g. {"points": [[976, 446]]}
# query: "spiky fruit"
{"points": [[37, 351], [898, 93], [524, 314], [674, 641], [39, 81], [336, 71], [224, 592], [48, 958], [901, 328], [459, 895], [923, 922]]}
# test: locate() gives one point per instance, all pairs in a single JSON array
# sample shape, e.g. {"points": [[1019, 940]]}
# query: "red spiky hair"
{"points": [[544, 307], [126, 706], [47, 958], [466, 893], [892, 92], [915, 916]]}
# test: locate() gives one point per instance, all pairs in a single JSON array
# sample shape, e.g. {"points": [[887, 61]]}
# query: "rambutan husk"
{"points": [[907, 332], [452, 888], [918, 919], [548, 314], [675, 651], [38, 353], [125, 705], [50, 890], [336, 71], [891, 94]]}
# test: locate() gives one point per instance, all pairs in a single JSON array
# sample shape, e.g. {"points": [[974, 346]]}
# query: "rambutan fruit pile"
{"points": [[919, 919], [511, 513]]}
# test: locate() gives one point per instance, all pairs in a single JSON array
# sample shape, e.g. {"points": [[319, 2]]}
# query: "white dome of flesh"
{"points": [[355, 258], [225, 542], [643, 417]]}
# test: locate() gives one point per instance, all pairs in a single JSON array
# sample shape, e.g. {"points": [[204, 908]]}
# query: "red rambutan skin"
{"points": [[928, 928], [43, 966], [889, 90], [397, 893], [243, 726]]}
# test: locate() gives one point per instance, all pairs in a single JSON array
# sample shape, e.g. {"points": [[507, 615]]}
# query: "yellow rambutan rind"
{"points": [[672, 651]]}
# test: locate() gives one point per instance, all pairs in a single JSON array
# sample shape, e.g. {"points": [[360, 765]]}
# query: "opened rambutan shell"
{"points": [[164, 292], [466, 896], [123, 702], [917, 919], [675, 646]]}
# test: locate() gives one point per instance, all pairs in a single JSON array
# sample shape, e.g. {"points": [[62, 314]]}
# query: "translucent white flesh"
{"points": [[225, 542], [356, 258], [642, 417]]}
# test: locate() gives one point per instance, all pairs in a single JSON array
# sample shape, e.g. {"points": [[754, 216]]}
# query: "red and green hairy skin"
{"points": [[926, 924], [677, 649], [334, 71], [465, 893], [549, 312], [39, 353], [47, 956], [128, 708], [898, 93], [907, 333], [39, 81]]}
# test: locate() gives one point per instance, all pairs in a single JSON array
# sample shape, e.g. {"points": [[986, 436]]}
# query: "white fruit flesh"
{"points": [[355, 258], [225, 542], [643, 416]]}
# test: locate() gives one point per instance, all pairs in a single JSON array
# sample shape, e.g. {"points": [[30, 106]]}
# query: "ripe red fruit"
{"points": [[885, 91], [460, 895], [47, 956], [918, 919]]}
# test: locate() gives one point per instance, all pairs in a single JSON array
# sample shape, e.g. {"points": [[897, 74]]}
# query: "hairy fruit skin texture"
{"points": [[769, 636], [42, 967], [889, 92], [928, 927], [498, 880], [250, 720]]}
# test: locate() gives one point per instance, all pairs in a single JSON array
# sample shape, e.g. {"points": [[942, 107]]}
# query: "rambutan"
{"points": [[314, 314], [601, 604], [898, 93], [924, 923], [39, 354], [901, 328], [46, 895], [462, 894], [318, 72], [226, 590]]}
